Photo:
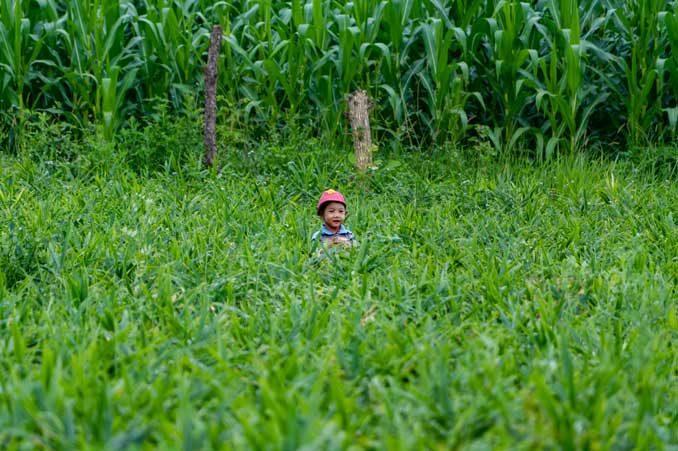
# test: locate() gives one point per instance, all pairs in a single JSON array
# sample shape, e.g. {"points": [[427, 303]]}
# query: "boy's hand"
{"points": [[338, 240]]}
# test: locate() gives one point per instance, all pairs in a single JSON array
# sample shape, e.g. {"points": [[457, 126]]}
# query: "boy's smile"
{"points": [[334, 215]]}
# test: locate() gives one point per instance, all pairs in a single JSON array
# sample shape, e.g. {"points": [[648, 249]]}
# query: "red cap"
{"points": [[330, 196]]}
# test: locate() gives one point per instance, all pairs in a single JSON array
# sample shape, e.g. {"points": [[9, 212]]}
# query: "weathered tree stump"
{"points": [[358, 113], [211, 76]]}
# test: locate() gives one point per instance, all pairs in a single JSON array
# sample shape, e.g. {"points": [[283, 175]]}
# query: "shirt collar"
{"points": [[326, 231]]}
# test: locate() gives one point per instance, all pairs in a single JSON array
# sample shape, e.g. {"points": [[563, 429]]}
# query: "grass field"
{"points": [[488, 306]]}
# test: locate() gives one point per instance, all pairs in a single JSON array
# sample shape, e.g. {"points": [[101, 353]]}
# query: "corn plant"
{"points": [[668, 72], [25, 36], [398, 24], [640, 24], [538, 73], [14, 32], [97, 42], [564, 94], [443, 80], [504, 46], [171, 55]]}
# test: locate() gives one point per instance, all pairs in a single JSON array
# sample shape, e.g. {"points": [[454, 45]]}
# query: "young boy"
{"points": [[332, 210]]}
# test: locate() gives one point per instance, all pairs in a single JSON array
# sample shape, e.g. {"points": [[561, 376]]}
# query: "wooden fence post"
{"points": [[211, 77], [358, 113]]}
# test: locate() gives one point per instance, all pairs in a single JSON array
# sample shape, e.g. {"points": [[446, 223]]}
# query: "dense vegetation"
{"points": [[543, 76], [489, 306], [494, 301]]}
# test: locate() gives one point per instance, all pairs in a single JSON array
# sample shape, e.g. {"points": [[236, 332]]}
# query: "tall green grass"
{"points": [[545, 77], [488, 306]]}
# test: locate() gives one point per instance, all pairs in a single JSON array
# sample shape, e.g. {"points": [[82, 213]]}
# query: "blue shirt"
{"points": [[326, 234]]}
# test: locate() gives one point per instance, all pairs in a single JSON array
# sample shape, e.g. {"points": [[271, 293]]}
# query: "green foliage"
{"points": [[640, 24], [164, 139], [547, 77], [668, 70], [504, 45], [565, 95], [488, 306]]}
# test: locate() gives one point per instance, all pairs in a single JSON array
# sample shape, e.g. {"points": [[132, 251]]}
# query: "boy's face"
{"points": [[334, 215]]}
